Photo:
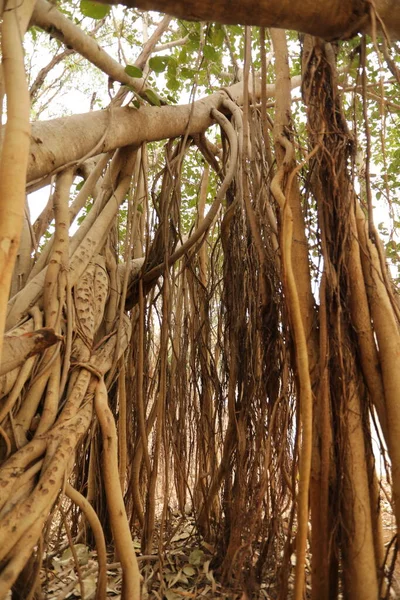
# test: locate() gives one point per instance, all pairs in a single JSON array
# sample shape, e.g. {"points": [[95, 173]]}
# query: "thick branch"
{"points": [[59, 142], [329, 19]]}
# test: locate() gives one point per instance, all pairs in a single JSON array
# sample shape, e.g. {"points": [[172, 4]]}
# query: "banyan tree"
{"points": [[202, 320]]}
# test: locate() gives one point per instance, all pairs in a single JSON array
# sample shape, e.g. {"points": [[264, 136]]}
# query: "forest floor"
{"points": [[185, 572]]}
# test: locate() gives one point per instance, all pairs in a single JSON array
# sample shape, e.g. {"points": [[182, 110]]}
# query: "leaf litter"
{"points": [[183, 570]]}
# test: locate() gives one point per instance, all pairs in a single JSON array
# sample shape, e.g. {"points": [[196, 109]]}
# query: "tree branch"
{"points": [[59, 142], [330, 19], [47, 17]]}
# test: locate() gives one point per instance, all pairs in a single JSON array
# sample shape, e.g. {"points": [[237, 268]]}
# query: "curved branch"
{"points": [[212, 213], [97, 530]]}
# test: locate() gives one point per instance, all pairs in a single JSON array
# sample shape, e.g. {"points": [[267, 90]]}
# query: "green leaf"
{"points": [[152, 98], [94, 10], [158, 63], [173, 84], [34, 33], [210, 53], [172, 66], [236, 29], [194, 41], [217, 35], [133, 71], [183, 55], [187, 73]]}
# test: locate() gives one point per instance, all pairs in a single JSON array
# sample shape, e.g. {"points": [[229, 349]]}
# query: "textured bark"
{"points": [[331, 19], [17, 349]]}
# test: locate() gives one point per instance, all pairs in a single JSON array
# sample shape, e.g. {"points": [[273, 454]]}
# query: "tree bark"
{"points": [[59, 142], [332, 19]]}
